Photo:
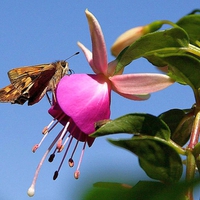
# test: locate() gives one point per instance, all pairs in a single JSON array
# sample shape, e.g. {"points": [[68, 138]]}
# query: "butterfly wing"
{"points": [[10, 94], [31, 82], [22, 77], [40, 86]]}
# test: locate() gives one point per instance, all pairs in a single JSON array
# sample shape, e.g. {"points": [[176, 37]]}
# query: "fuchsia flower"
{"points": [[83, 99]]}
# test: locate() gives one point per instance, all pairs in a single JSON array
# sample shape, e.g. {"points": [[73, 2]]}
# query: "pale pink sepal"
{"points": [[140, 83], [98, 44]]}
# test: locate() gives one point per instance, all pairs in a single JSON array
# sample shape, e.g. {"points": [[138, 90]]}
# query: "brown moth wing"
{"points": [[21, 78], [40, 87], [36, 93], [10, 94], [31, 83]]}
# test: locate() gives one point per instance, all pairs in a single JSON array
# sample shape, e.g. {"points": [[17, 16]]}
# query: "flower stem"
{"points": [[170, 23], [194, 50], [191, 164], [195, 132], [190, 171]]}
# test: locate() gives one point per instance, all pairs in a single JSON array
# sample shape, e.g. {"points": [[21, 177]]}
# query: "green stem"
{"points": [[190, 171], [197, 99], [170, 23], [195, 132], [178, 148], [193, 49], [191, 164], [194, 138]]}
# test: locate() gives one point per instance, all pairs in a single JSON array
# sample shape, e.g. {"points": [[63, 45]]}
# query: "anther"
{"points": [[35, 147], [61, 148], [76, 174], [64, 143], [71, 162], [45, 130], [59, 144], [51, 157], [55, 175], [52, 124]]}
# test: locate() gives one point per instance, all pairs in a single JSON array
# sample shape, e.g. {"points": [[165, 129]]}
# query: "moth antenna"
{"points": [[73, 55]]}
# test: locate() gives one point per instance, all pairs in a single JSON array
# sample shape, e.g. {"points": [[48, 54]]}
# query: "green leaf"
{"points": [[179, 123], [157, 158], [109, 191], [157, 61], [190, 24], [143, 190], [144, 124], [158, 191], [184, 69], [172, 38], [150, 190]]}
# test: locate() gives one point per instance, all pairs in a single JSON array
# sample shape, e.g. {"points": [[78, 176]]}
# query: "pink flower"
{"points": [[83, 99]]}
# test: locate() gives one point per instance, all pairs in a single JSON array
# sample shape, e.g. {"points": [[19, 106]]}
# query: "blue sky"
{"points": [[36, 32]]}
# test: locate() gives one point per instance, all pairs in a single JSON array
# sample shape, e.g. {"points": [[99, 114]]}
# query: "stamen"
{"points": [[31, 190], [77, 172], [56, 172], [51, 157], [36, 146], [71, 161], [59, 144], [63, 145], [50, 126], [46, 130]]}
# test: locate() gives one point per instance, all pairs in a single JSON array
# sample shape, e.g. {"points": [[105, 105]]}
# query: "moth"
{"points": [[31, 83]]}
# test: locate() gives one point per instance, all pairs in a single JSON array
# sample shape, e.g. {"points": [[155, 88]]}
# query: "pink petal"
{"points": [[140, 83], [56, 112], [84, 98], [98, 45]]}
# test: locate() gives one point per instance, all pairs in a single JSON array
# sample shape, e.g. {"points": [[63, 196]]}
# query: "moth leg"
{"points": [[53, 88], [49, 99]]}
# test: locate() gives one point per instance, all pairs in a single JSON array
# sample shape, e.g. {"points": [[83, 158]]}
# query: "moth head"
{"points": [[65, 67]]}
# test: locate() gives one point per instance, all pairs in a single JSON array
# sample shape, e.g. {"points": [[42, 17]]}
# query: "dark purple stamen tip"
{"points": [[55, 175], [51, 157]]}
